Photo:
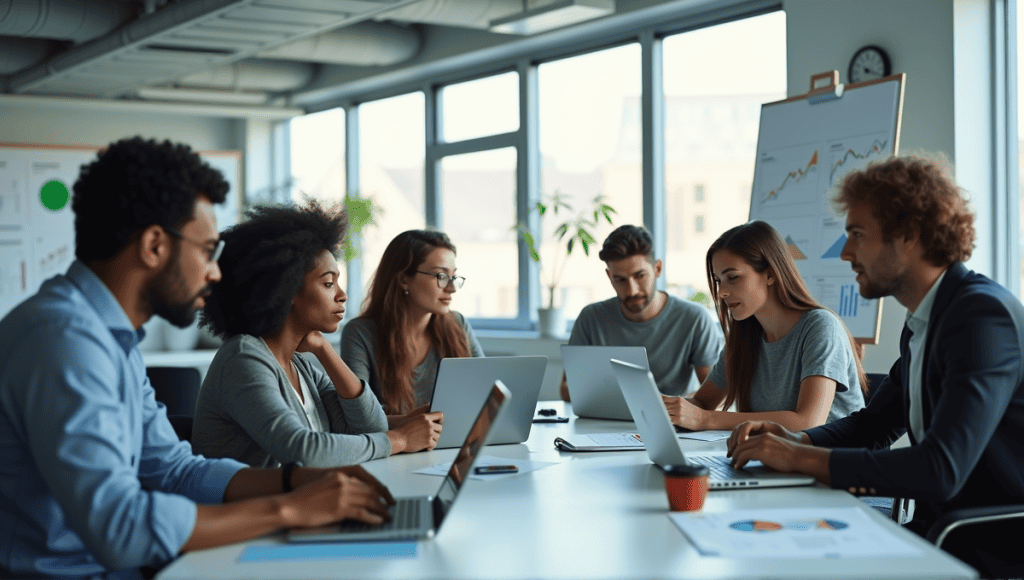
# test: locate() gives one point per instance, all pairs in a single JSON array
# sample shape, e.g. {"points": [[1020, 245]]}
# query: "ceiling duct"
{"points": [[253, 75], [465, 13], [362, 44], [76, 20]]}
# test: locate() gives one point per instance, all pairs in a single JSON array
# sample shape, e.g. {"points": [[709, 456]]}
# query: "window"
{"points": [[712, 112], [391, 142], [482, 107], [589, 145], [318, 156], [482, 232]]}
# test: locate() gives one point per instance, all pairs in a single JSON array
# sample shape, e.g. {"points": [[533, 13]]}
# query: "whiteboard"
{"points": [[804, 149], [36, 242]]}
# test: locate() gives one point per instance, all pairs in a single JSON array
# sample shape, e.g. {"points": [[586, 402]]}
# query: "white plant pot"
{"points": [[551, 322]]}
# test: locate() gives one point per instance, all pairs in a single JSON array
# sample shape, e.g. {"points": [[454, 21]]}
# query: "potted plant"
{"points": [[571, 232]]}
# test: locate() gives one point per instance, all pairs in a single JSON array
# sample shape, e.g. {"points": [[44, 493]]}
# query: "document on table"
{"points": [[522, 466], [791, 533], [705, 435]]}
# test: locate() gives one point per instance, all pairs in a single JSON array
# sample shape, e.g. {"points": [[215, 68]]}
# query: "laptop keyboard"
{"points": [[719, 465], [405, 515]]}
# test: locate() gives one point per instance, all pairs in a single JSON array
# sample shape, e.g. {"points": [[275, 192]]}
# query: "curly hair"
{"points": [[627, 241], [913, 195], [759, 245], [263, 265], [136, 183]]}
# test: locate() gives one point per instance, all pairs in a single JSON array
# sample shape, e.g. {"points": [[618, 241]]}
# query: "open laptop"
{"points": [[462, 385], [593, 389], [421, 517], [659, 435]]}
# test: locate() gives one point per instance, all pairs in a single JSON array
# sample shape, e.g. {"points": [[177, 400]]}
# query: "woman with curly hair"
{"points": [[407, 325], [787, 358], [262, 402]]}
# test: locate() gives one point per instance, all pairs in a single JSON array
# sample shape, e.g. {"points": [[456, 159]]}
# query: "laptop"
{"points": [[462, 384], [659, 435], [421, 517], [593, 389]]}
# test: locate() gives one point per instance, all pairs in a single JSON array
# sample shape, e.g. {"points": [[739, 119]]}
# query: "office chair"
{"points": [[176, 387], [995, 527]]}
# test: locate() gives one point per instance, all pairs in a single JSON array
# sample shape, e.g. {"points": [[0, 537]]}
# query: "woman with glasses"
{"points": [[264, 403], [407, 325]]}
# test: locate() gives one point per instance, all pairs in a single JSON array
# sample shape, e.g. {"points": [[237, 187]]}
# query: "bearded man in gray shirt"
{"points": [[681, 338]]}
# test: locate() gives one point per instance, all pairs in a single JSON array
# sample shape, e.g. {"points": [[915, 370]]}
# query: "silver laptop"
{"points": [[593, 389], [462, 385], [421, 517], [659, 435]]}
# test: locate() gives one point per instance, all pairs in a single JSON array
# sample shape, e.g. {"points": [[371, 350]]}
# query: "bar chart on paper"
{"points": [[804, 150]]}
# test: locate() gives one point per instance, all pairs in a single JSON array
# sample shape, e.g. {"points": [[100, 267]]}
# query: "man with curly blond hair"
{"points": [[958, 386]]}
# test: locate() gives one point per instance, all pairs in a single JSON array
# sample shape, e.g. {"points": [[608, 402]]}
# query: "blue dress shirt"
{"points": [[93, 480]]}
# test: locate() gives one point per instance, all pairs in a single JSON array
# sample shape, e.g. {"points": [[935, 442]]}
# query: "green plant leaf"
{"points": [[569, 246], [561, 230]]}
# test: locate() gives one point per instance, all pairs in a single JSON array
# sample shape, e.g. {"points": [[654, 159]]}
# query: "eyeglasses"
{"points": [[444, 279], [212, 254]]}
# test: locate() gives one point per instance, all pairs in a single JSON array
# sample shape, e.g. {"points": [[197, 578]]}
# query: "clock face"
{"points": [[870, 63]]}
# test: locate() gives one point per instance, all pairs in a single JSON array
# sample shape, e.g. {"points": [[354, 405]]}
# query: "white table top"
{"points": [[592, 515]]}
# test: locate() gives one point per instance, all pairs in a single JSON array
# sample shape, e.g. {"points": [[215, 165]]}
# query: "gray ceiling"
{"points": [[228, 51]]}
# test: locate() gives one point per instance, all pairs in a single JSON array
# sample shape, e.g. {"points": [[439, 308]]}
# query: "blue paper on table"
{"points": [[334, 551]]}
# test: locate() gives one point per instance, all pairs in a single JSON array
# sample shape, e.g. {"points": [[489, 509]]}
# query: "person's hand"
{"points": [[745, 430], [313, 342], [357, 472], [764, 441], [334, 497], [417, 432], [684, 413]]}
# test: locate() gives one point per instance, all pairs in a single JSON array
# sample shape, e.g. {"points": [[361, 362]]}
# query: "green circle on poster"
{"points": [[54, 195]]}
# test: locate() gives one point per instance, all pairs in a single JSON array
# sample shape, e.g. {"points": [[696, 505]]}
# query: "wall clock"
{"points": [[869, 63]]}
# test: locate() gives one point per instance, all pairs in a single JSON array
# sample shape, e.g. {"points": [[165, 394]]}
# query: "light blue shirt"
{"points": [[93, 480], [917, 321]]}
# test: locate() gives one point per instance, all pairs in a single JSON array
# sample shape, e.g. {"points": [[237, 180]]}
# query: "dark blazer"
{"points": [[972, 453]]}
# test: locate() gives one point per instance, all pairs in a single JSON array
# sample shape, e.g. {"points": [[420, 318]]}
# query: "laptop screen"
{"points": [[470, 449]]}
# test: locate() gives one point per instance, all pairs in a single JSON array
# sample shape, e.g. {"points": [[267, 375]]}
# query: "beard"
{"points": [[166, 291], [636, 304]]}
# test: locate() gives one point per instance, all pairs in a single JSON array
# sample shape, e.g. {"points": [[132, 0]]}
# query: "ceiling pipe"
{"points": [[362, 44], [253, 75], [76, 20]]}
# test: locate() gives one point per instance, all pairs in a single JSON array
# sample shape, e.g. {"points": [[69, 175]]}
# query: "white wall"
{"points": [[942, 46], [74, 126]]}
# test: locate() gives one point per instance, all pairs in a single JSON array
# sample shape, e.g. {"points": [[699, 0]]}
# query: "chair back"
{"points": [[176, 387]]}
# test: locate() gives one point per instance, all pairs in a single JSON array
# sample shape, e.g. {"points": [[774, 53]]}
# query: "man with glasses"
{"points": [[94, 480], [682, 338]]}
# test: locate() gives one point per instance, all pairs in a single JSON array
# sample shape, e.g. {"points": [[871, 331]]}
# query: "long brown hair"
{"points": [[388, 307], [759, 245]]}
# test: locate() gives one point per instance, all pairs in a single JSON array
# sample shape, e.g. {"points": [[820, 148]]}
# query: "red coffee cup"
{"points": [[686, 486]]}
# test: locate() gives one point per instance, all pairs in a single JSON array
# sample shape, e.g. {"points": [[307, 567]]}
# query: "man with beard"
{"points": [[682, 338], [958, 386], [94, 481]]}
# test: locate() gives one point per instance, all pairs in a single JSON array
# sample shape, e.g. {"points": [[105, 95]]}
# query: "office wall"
{"points": [[75, 126], [925, 40]]}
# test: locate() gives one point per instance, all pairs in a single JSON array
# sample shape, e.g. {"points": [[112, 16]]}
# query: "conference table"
{"points": [[587, 515]]}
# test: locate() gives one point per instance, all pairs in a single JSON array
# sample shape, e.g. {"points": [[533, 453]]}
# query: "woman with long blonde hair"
{"points": [[787, 358], [407, 325]]}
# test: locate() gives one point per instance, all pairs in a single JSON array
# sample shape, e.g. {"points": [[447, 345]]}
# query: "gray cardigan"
{"points": [[245, 412]]}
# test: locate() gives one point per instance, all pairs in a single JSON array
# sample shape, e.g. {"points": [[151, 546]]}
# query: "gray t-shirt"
{"points": [[245, 412], [816, 346], [682, 336], [359, 351]]}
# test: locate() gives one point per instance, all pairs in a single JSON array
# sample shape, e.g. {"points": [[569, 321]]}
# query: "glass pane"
{"points": [[479, 108], [479, 206], [318, 160], [318, 155], [712, 109], [391, 146], [590, 146], [1020, 131]]}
